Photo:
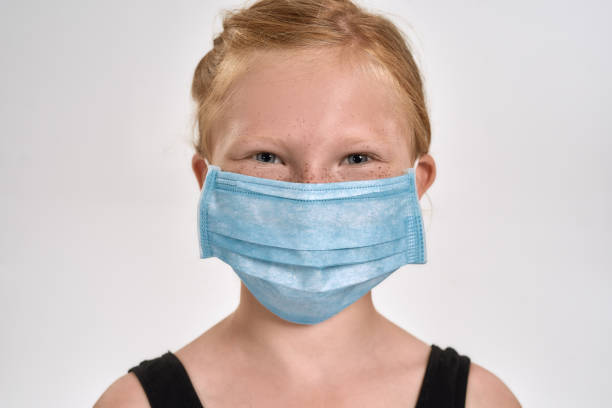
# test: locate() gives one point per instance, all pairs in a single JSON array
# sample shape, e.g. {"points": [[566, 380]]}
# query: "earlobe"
{"points": [[198, 164], [425, 174]]}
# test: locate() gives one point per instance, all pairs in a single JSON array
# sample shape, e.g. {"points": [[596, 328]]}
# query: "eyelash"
{"points": [[369, 156]]}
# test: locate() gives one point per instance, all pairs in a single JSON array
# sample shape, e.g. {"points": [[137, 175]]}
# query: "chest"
{"points": [[378, 389]]}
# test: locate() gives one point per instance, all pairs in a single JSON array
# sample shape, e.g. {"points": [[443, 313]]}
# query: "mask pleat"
{"points": [[313, 279], [317, 225], [315, 258]]}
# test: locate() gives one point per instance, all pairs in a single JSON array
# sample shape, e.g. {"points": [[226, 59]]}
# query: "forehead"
{"points": [[318, 92]]}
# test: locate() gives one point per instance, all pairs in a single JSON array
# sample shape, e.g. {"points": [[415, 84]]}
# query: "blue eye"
{"points": [[265, 157], [359, 158]]}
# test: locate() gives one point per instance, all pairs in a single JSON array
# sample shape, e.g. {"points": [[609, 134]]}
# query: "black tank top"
{"points": [[167, 385]]}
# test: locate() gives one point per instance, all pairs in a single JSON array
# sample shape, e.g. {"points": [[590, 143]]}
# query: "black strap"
{"points": [[445, 381], [166, 383]]}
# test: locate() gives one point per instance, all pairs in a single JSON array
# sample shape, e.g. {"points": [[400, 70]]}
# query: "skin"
{"points": [[310, 120]]}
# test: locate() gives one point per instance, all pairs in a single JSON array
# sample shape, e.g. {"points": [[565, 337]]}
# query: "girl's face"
{"points": [[309, 118]]}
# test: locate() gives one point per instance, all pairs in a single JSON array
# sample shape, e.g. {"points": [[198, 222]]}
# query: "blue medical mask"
{"points": [[308, 250]]}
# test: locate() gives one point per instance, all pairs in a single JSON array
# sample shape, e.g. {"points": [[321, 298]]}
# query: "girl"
{"points": [[312, 154]]}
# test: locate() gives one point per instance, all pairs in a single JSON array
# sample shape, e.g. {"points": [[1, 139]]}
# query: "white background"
{"points": [[99, 261]]}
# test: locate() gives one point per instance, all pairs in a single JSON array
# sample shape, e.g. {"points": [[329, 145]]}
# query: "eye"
{"points": [[358, 158], [265, 157]]}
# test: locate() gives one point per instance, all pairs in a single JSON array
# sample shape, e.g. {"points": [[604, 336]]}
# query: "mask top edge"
{"points": [[406, 178]]}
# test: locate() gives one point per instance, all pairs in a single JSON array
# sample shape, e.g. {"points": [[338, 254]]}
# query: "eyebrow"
{"points": [[342, 139], [252, 139], [353, 140]]}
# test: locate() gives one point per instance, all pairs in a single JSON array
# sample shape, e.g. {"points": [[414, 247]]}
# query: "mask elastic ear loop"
{"points": [[414, 168], [428, 211], [416, 163]]}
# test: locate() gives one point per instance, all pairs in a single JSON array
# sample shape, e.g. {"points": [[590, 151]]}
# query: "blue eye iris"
{"points": [[359, 158], [265, 157]]}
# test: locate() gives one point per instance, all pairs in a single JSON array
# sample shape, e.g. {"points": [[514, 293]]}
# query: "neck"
{"points": [[319, 346]]}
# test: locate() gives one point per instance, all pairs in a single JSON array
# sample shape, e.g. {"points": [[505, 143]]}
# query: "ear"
{"points": [[425, 174], [199, 168]]}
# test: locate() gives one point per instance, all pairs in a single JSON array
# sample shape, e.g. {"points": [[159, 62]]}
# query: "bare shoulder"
{"points": [[125, 392], [485, 389]]}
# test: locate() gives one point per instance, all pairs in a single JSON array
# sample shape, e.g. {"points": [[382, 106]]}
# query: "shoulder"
{"points": [[125, 392], [485, 389]]}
